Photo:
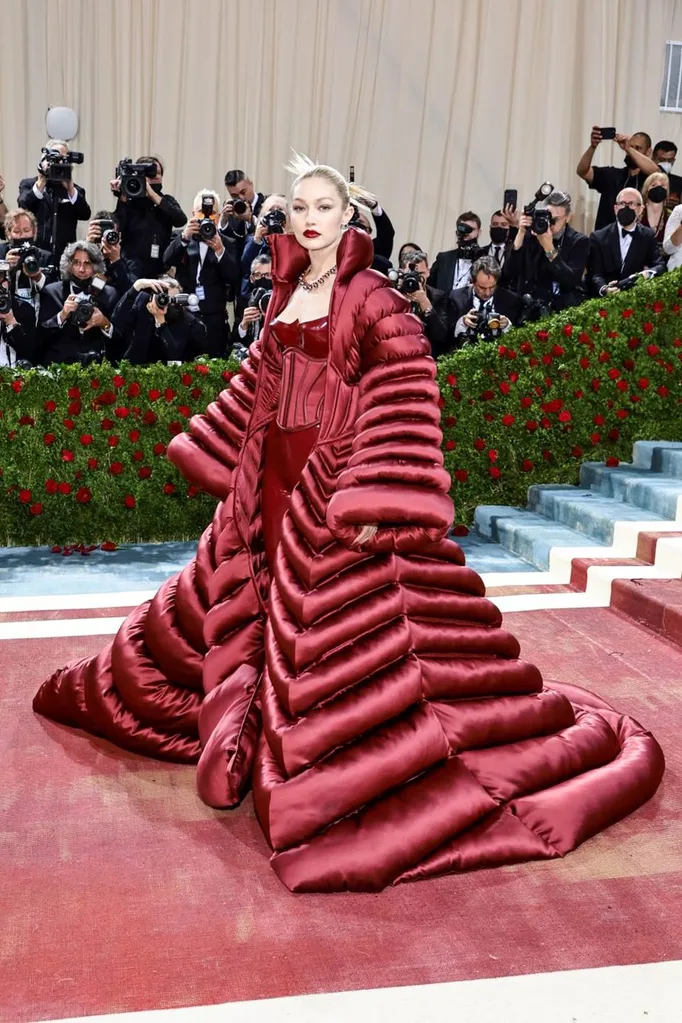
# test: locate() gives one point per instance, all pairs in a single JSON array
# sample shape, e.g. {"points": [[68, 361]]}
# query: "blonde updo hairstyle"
{"points": [[303, 167]]}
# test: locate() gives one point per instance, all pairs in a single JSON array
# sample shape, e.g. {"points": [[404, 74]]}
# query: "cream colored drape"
{"points": [[439, 104]]}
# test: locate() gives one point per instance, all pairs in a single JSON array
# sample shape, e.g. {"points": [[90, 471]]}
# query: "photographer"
{"points": [[250, 324], [548, 257], [376, 223], [154, 320], [29, 266], [206, 265], [54, 198], [273, 219], [502, 235], [434, 308], [626, 248], [75, 312], [17, 325], [483, 310], [452, 268], [104, 230], [147, 217], [239, 212], [611, 180]]}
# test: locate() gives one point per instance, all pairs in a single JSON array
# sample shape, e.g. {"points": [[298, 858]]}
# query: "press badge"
{"points": [[199, 292], [155, 252]]}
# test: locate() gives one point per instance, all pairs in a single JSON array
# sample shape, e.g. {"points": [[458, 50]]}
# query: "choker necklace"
{"points": [[312, 285]]}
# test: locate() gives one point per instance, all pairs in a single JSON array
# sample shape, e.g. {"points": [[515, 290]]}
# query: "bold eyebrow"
{"points": [[325, 198]]}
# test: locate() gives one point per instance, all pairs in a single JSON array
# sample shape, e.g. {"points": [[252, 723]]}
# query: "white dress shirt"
{"points": [[674, 251], [625, 238]]}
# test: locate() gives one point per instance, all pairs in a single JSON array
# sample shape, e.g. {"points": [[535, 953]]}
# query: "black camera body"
{"points": [[207, 229], [488, 325], [58, 167], [84, 310], [533, 309], [29, 258], [133, 177], [274, 221], [406, 281], [5, 296], [109, 234], [182, 301], [260, 299], [542, 219], [239, 207]]}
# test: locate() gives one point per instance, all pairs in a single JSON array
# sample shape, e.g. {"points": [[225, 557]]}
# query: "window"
{"points": [[671, 87]]}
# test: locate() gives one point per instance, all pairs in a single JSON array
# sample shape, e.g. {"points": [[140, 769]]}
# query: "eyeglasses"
{"points": [[83, 266], [260, 277], [630, 205]]}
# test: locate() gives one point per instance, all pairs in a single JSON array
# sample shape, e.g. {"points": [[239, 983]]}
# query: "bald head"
{"points": [[628, 207], [629, 195]]}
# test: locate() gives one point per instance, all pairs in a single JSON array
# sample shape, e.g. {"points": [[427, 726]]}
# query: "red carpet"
{"points": [[119, 890]]}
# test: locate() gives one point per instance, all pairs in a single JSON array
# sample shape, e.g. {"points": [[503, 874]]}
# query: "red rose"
{"points": [[494, 472], [25, 496], [144, 473], [603, 313], [169, 488], [122, 412], [116, 468], [622, 413], [604, 356], [75, 408], [226, 374], [526, 402], [64, 488], [648, 328], [538, 390], [129, 501], [596, 384], [113, 441], [49, 438], [662, 391], [487, 396], [565, 416], [134, 436], [36, 509], [169, 394], [450, 445], [508, 420], [133, 390], [185, 411], [455, 394], [449, 421], [150, 417], [504, 387], [186, 379], [568, 330], [612, 333], [578, 394], [154, 395], [202, 369], [553, 406], [159, 449], [492, 455], [545, 423], [16, 385], [629, 364], [531, 425], [547, 455], [50, 406], [196, 391], [622, 385], [595, 438], [108, 546], [527, 465], [50, 486], [614, 374], [460, 531], [94, 383], [513, 377], [526, 348], [584, 338], [86, 439], [577, 452], [74, 392], [67, 456], [138, 456], [547, 359], [26, 421], [599, 420], [461, 475], [542, 335], [653, 349], [614, 434], [558, 350], [627, 313], [92, 463], [584, 362], [612, 460], [479, 444], [83, 495], [534, 362], [192, 491], [175, 428], [69, 424], [118, 381], [108, 424]]}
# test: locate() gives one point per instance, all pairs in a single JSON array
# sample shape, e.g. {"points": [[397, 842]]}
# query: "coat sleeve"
{"points": [[209, 452], [394, 477]]}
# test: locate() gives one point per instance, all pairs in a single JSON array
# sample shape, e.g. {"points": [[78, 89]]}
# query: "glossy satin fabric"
{"points": [[371, 697]]}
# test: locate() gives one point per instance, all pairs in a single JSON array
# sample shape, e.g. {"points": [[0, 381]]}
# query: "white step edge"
{"points": [[74, 601]]}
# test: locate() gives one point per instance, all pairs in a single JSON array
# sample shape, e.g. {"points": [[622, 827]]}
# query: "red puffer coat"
{"points": [[371, 696]]}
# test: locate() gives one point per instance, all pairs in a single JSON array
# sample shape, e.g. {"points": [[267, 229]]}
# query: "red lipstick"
{"points": [[311, 234]]}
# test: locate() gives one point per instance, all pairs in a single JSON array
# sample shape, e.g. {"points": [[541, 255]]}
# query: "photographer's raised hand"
{"points": [[151, 194], [525, 224], [191, 229]]}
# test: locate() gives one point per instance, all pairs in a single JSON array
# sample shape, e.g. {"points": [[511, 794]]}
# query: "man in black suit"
{"points": [[664, 155], [550, 265], [241, 208], [99, 233], [42, 197], [502, 236], [208, 268], [62, 338], [479, 301], [623, 248], [156, 333], [433, 307], [21, 229], [452, 267], [17, 328], [147, 222]]}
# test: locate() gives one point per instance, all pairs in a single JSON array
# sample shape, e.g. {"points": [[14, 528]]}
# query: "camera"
{"points": [[109, 234], [533, 309], [542, 221], [541, 217], [4, 270], [260, 299], [84, 310], [133, 177], [207, 227], [488, 324], [468, 247], [274, 221], [88, 358], [5, 299], [406, 281], [239, 207], [57, 167], [29, 258], [164, 300]]}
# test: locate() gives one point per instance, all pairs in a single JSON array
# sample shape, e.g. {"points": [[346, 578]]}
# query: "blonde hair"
{"points": [[12, 216], [302, 167], [196, 202], [658, 177]]}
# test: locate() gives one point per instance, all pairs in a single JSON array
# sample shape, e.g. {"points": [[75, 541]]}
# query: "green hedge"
{"points": [[82, 451]]}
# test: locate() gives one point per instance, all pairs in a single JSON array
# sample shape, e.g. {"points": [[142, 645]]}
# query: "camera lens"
{"points": [[111, 237], [162, 299], [207, 229], [239, 207]]}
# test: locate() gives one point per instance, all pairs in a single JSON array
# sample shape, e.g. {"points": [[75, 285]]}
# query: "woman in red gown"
{"points": [[328, 646]]}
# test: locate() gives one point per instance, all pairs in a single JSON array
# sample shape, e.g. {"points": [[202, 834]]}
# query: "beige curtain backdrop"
{"points": [[439, 104]]}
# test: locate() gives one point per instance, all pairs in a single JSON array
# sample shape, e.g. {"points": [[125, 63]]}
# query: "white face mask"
{"points": [[666, 166]]}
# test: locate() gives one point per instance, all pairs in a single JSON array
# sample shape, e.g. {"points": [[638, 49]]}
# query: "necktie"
{"points": [[626, 234]]}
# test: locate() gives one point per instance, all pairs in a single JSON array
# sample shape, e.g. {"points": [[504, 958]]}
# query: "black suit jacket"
{"points": [[68, 214], [530, 272], [23, 337], [442, 273], [506, 303], [143, 342], [67, 343], [238, 230], [45, 257], [605, 263], [217, 276], [145, 224]]}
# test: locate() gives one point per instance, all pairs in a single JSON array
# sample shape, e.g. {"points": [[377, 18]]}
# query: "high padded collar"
{"points": [[289, 259]]}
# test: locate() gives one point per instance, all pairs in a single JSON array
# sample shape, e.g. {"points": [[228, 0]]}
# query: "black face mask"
{"points": [[157, 188], [499, 235], [629, 162], [626, 216], [657, 193], [174, 313]]}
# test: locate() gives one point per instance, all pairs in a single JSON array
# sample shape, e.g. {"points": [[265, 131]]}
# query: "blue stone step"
{"points": [[484, 555], [671, 462], [650, 491], [527, 534], [648, 454], [584, 511]]}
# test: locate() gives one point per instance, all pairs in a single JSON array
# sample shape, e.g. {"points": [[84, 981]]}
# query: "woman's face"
{"points": [[317, 215]]}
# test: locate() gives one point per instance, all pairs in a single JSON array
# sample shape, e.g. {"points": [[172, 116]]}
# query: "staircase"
{"points": [[615, 540]]}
